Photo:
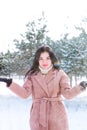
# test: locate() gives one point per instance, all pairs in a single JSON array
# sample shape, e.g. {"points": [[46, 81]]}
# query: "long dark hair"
{"points": [[45, 48]]}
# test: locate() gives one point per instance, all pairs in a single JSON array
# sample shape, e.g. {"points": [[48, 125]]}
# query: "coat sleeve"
{"points": [[66, 90], [24, 91]]}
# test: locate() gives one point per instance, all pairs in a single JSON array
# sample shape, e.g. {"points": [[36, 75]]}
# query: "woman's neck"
{"points": [[45, 71]]}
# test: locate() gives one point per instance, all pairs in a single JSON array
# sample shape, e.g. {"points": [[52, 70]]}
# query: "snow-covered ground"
{"points": [[14, 111]]}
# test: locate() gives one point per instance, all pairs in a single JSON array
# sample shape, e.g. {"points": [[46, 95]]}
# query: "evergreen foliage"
{"points": [[71, 53]]}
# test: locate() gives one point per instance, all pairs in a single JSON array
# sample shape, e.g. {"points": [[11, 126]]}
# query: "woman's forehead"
{"points": [[44, 54]]}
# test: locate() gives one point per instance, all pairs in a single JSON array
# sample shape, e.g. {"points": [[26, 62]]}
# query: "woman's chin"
{"points": [[45, 67]]}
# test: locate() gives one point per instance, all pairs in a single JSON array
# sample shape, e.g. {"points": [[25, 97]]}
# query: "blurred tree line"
{"points": [[71, 52]]}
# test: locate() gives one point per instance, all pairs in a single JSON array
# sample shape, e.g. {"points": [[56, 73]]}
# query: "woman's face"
{"points": [[44, 60]]}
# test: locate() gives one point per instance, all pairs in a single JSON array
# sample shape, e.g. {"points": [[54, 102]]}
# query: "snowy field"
{"points": [[14, 111]]}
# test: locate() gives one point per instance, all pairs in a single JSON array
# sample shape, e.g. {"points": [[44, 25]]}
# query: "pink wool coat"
{"points": [[48, 111]]}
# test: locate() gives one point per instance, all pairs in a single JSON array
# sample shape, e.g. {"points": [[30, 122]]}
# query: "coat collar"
{"points": [[44, 82]]}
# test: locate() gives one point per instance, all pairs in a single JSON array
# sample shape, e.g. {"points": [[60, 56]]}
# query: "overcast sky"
{"points": [[15, 14]]}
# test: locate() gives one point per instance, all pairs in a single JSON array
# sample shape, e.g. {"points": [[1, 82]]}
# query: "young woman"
{"points": [[47, 83]]}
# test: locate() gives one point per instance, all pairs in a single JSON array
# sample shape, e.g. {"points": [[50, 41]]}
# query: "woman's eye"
{"points": [[48, 58], [40, 59]]}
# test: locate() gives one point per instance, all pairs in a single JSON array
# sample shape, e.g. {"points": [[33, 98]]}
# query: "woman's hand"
{"points": [[84, 84], [7, 81]]}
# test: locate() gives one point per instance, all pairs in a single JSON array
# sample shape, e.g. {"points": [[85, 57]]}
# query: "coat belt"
{"points": [[44, 102]]}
